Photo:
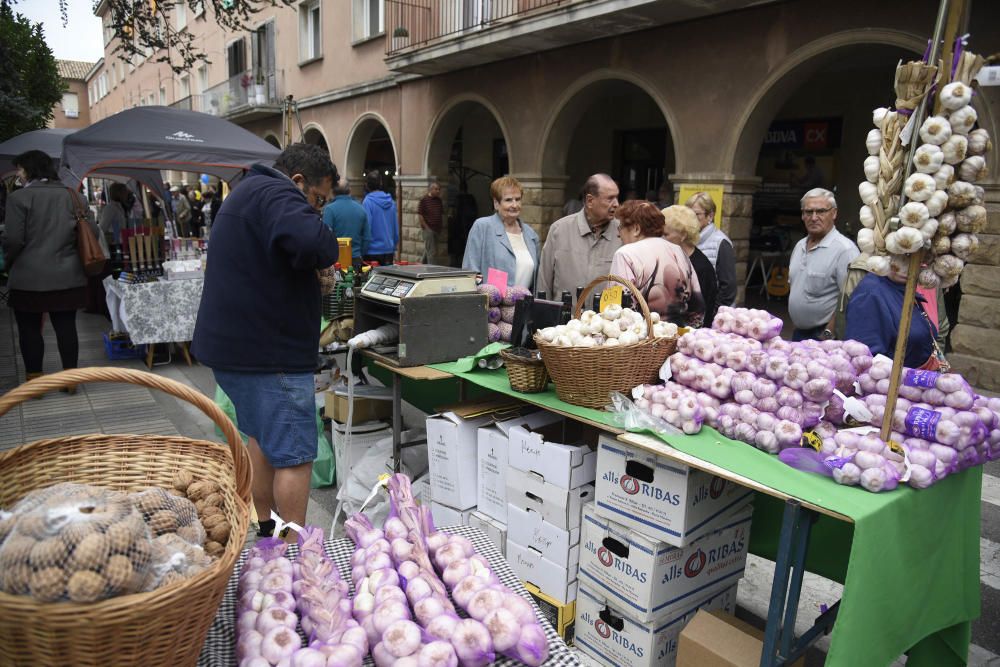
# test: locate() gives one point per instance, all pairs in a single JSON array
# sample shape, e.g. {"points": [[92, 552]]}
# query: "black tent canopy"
{"points": [[49, 141]]}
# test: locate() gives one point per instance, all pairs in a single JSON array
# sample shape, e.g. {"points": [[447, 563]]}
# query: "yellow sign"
{"points": [[714, 191], [810, 439], [612, 295]]}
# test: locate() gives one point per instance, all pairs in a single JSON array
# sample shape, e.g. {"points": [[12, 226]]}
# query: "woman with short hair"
{"points": [[716, 246], [503, 241], [680, 226], [659, 269]]}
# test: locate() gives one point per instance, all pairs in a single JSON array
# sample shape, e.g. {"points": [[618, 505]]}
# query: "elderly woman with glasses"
{"points": [[658, 268], [716, 246]]}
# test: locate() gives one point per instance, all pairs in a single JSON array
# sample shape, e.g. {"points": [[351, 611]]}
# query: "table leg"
{"points": [[766, 271], [186, 352], [753, 266], [149, 355], [397, 421], [461, 390]]}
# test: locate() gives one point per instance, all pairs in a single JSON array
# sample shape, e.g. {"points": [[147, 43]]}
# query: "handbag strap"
{"points": [[77, 206], [938, 352]]}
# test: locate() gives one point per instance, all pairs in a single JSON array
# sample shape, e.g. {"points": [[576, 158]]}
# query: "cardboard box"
{"points": [[363, 436], [495, 530], [533, 450], [607, 633], [446, 516], [558, 545], [557, 581], [718, 639], [370, 404], [560, 507], [650, 579], [562, 615], [660, 498], [421, 489], [493, 443], [452, 457]]}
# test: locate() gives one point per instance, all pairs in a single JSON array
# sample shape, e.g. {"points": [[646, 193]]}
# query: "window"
{"points": [[122, 70], [180, 12], [71, 105], [114, 75], [102, 85], [310, 31], [368, 18], [185, 86], [163, 96], [203, 78], [236, 58], [109, 31]]}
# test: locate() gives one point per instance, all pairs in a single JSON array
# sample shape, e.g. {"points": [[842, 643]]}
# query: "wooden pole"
{"points": [[951, 14]]}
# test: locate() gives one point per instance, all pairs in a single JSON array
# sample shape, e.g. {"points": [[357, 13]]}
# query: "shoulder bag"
{"points": [[91, 255]]}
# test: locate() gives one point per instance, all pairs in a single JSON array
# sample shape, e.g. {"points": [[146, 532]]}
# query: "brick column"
{"points": [[737, 213], [542, 201], [975, 339]]}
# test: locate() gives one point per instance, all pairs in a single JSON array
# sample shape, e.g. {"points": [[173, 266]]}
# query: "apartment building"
{"points": [[685, 93], [73, 110]]}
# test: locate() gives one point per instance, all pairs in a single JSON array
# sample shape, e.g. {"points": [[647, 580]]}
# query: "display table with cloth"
{"points": [[157, 312], [908, 559], [220, 644]]}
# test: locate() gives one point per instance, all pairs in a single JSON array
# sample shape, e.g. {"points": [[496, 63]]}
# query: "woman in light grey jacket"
{"points": [[46, 274], [502, 241]]}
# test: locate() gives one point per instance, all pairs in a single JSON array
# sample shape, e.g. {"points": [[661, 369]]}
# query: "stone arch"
{"points": [[446, 124], [358, 138], [573, 103], [272, 139], [312, 133]]}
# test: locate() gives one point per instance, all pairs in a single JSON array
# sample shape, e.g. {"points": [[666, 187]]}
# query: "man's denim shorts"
{"points": [[278, 410]]}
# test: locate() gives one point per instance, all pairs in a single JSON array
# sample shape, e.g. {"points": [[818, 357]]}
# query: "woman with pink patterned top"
{"points": [[660, 269]]}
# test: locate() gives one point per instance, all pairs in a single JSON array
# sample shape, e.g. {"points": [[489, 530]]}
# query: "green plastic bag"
{"points": [[324, 471]]}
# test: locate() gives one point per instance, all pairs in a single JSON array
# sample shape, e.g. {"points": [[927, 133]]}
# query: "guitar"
{"points": [[777, 282]]}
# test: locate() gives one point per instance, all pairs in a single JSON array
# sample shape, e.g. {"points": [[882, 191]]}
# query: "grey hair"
{"points": [[816, 193]]}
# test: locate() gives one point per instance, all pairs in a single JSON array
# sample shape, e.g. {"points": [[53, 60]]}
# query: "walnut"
{"points": [[199, 490], [15, 579], [49, 553], [199, 506], [212, 520], [6, 527], [164, 521], [182, 480], [142, 553], [215, 499], [74, 533], [214, 549], [193, 534], [119, 574], [49, 584], [210, 510], [16, 549], [219, 532], [120, 536], [152, 500], [186, 512], [86, 586], [91, 553]]}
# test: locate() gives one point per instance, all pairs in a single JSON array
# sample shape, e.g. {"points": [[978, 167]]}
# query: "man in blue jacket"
{"points": [[347, 218], [381, 210], [259, 321]]}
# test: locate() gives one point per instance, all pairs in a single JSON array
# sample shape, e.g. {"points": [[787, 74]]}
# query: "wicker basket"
{"points": [[587, 375], [527, 376], [163, 627]]}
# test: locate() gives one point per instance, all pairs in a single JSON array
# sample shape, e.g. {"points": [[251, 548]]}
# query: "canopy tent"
{"points": [[157, 138], [49, 141]]}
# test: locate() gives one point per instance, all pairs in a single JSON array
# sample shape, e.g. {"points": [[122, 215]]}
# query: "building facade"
{"points": [[73, 110], [732, 94]]}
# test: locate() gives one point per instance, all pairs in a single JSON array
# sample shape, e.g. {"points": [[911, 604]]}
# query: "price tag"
{"points": [[497, 278], [611, 296], [810, 439]]}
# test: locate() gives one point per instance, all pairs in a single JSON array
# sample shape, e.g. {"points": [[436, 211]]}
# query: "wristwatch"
{"points": [[826, 335]]}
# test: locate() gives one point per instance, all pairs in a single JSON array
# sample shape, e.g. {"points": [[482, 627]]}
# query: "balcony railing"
{"points": [[236, 95], [415, 23]]}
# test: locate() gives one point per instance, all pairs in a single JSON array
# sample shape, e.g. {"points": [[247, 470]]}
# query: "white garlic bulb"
{"points": [[971, 219], [928, 279], [867, 216], [954, 149], [879, 115], [946, 223], [904, 241], [936, 203], [872, 168], [935, 130], [963, 120], [978, 194], [955, 95], [611, 342], [972, 169], [868, 192], [927, 159], [874, 142], [612, 312], [961, 194], [586, 341], [866, 240], [611, 329], [913, 214], [929, 229], [628, 338], [979, 142], [919, 187], [947, 266], [900, 264], [941, 244], [548, 334], [879, 265], [563, 341], [944, 176], [948, 283], [963, 245]]}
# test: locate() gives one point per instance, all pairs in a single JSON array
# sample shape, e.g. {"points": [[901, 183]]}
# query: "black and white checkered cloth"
{"points": [[220, 645]]}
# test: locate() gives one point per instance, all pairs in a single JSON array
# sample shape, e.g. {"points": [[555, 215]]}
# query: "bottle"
{"points": [[541, 295], [597, 303], [566, 313]]}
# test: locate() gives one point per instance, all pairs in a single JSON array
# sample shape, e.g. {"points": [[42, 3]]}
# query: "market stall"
{"points": [[153, 313]]}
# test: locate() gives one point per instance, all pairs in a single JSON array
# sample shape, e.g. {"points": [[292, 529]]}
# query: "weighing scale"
{"points": [[392, 283]]}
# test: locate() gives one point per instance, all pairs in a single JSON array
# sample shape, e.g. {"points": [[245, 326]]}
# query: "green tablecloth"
{"points": [[909, 563]]}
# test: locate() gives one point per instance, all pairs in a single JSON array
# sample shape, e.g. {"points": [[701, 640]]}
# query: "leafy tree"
{"points": [[147, 28], [30, 84]]}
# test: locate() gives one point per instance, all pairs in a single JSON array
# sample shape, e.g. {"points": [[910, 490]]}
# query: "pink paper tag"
{"points": [[497, 278]]}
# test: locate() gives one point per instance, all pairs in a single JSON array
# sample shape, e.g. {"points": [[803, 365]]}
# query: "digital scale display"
{"points": [[392, 283], [389, 286]]}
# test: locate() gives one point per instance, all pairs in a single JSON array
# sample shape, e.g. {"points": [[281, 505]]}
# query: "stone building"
{"points": [[73, 111], [731, 94]]}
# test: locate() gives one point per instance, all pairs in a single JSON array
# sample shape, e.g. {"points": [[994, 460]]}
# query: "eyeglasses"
{"points": [[810, 212]]}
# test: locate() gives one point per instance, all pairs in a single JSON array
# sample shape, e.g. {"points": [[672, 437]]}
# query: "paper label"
{"points": [[917, 378], [810, 439], [989, 76], [611, 296], [921, 423], [908, 129], [497, 278]]}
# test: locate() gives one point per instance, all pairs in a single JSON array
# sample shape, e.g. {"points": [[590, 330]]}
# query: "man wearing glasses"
{"points": [[818, 268]]}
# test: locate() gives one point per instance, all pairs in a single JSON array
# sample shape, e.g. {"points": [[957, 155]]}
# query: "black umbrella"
{"points": [[49, 140]]}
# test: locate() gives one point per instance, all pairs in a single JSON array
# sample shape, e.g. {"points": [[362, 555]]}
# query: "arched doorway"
{"points": [[611, 124], [273, 140], [468, 149], [371, 151], [313, 135]]}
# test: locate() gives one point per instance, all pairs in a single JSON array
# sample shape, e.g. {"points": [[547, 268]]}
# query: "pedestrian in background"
{"points": [[716, 246], [347, 218], [381, 210], [430, 213]]}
